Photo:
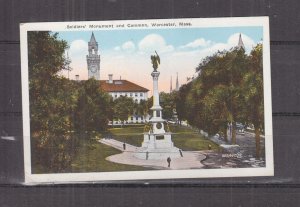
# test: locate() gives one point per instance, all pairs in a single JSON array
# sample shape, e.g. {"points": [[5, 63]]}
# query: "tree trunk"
{"points": [[233, 133], [225, 134], [257, 141]]}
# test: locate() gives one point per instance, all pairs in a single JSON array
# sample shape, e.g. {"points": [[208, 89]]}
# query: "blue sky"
{"points": [[126, 52], [109, 39]]}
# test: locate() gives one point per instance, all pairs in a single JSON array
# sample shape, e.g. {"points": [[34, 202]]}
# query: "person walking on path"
{"points": [[169, 161], [124, 146], [180, 151], [147, 155]]}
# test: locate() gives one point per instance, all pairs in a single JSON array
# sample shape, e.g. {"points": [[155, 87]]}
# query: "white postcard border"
{"points": [[153, 174]]}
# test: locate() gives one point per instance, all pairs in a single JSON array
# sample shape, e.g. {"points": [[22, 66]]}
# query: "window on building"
{"points": [[130, 94], [157, 113], [136, 118], [142, 118], [141, 94], [116, 96], [136, 94]]}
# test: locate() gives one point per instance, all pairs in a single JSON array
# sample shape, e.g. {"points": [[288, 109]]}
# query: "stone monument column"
{"points": [[157, 142], [156, 108]]}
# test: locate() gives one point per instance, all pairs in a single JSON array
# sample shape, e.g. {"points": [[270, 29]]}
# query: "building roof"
{"points": [[121, 86]]}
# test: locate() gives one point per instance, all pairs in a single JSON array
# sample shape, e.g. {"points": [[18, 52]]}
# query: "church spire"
{"points": [[241, 44], [93, 39], [171, 89], [177, 83]]}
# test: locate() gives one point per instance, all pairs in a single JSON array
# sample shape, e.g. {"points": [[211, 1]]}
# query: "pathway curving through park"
{"points": [[190, 159]]}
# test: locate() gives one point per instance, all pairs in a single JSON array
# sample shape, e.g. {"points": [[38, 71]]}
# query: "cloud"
{"points": [[77, 53], [117, 48], [201, 42], [153, 42], [128, 46], [213, 47], [78, 48]]}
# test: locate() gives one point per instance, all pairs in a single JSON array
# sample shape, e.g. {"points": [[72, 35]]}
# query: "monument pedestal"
{"points": [[157, 146], [157, 142]]}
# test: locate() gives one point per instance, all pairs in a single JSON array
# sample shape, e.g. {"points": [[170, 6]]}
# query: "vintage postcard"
{"points": [[146, 99]]}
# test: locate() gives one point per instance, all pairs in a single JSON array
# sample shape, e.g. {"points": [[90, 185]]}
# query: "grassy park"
{"points": [[91, 154], [91, 158], [183, 137]]}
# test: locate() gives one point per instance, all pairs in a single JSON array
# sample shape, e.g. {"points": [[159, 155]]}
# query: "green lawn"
{"points": [[130, 135], [91, 155], [187, 139], [91, 158], [183, 137]]}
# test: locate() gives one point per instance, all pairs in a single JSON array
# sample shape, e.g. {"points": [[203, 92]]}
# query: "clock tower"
{"points": [[93, 59]]}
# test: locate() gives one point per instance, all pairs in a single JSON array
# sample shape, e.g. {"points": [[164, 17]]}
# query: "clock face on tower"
{"points": [[93, 68]]}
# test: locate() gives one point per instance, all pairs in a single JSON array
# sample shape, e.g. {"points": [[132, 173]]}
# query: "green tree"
{"points": [[149, 105], [141, 108], [51, 102], [93, 108], [181, 102], [168, 103], [253, 92], [221, 76], [123, 108]]}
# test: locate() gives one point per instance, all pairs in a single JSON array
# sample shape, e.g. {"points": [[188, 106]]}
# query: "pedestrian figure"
{"points": [[124, 146], [169, 161], [180, 151], [209, 146], [147, 155]]}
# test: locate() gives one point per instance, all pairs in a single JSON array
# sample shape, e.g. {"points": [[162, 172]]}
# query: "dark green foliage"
{"points": [[123, 107], [228, 89], [167, 102], [93, 108], [51, 102], [141, 109], [59, 106]]}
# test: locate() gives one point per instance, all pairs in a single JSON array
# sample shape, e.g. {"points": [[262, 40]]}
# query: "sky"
{"points": [[126, 53]]}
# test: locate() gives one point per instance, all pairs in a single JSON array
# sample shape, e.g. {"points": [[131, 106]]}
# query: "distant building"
{"points": [[240, 43], [93, 59], [171, 88], [177, 85], [117, 88]]}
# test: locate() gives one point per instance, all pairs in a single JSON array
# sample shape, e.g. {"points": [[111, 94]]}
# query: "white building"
{"points": [[117, 88]]}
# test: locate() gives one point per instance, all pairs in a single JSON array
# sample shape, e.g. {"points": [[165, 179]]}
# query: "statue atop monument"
{"points": [[155, 61]]}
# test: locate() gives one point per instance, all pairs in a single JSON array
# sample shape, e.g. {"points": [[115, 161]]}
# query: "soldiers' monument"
{"points": [[157, 142]]}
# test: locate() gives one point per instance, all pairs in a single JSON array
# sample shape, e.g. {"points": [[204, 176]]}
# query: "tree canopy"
{"points": [[59, 107], [227, 90]]}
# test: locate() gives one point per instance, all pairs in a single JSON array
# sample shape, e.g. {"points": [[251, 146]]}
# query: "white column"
{"points": [[155, 75]]}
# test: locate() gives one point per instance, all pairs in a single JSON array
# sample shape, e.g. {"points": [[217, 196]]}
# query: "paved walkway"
{"points": [[190, 159]]}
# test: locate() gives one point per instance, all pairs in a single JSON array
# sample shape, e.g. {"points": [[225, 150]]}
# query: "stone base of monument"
{"points": [[157, 147]]}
